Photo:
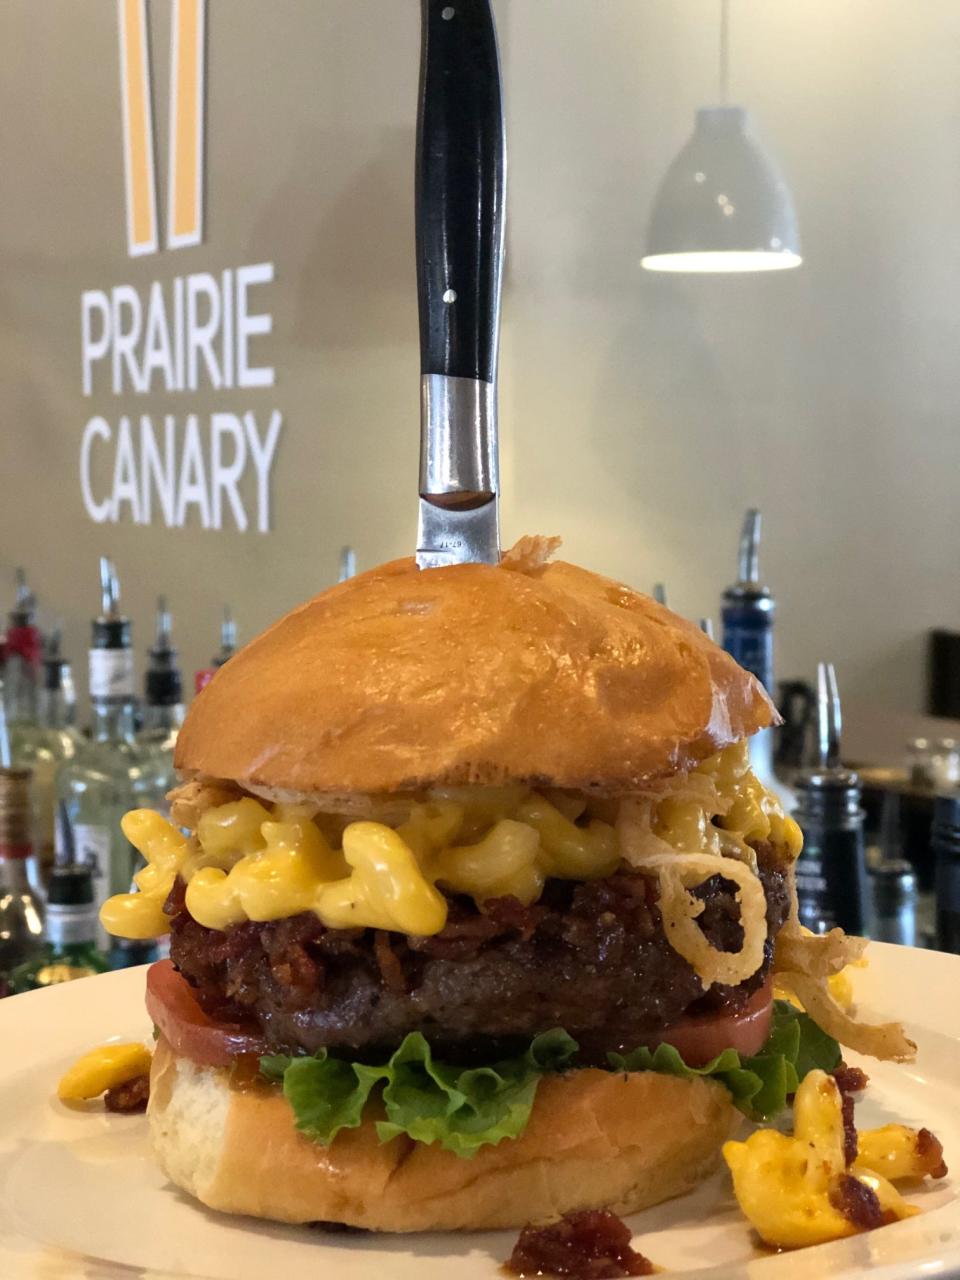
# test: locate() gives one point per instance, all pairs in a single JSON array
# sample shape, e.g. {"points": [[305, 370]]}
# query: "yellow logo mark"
{"points": [[185, 197]]}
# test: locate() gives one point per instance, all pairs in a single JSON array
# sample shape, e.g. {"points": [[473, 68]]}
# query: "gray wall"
{"points": [[640, 413]]}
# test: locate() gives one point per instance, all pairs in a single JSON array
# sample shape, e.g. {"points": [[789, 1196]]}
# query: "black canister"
{"points": [[945, 845], [831, 875], [831, 871], [893, 902]]}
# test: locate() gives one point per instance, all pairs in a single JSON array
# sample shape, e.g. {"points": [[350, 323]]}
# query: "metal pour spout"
{"points": [[829, 717], [164, 626], [228, 636], [749, 557], [25, 600], [348, 564], [109, 589]]}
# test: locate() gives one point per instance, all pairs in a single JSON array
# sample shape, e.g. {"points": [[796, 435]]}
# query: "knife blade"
{"points": [[460, 184]]}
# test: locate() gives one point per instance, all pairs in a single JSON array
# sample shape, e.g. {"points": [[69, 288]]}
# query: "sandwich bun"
{"points": [[595, 1139], [400, 679]]}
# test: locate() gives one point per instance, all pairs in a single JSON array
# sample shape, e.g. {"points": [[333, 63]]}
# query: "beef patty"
{"points": [[590, 957]]}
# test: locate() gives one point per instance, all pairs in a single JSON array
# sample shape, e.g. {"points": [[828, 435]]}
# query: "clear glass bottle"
{"points": [[163, 711], [27, 739], [22, 644], [21, 915], [47, 745], [106, 778], [70, 948]]}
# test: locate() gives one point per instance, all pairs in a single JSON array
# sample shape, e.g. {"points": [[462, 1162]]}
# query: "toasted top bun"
{"points": [[401, 679]]}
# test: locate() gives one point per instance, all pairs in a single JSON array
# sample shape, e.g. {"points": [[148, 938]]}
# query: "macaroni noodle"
{"points": [[251, 860]]}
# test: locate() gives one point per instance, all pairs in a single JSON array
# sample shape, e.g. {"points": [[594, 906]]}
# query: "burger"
{"points": [[475, 909]]}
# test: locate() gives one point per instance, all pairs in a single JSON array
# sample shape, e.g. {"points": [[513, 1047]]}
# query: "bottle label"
{"points": [[750, 642], [70, 926], [112, 674], [831, 888]]}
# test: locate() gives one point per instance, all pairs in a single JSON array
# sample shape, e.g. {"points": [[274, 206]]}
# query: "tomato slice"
{"points": [[187, 1029], [698, 1040]]}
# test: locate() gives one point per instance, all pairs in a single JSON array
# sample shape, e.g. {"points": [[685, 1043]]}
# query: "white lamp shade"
{"points": [[723, 204]]}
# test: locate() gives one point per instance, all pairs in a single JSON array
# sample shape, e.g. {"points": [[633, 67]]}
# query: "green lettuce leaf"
{"points": [[460, 1108], [761, 1084], [466, 1108]]}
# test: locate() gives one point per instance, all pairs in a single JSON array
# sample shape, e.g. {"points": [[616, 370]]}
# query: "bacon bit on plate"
{"points": [[591, 1245], [130, 1097], [930, 1151]]}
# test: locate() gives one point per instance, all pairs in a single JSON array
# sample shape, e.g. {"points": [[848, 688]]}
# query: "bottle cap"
{"points": [[894, 883], [71, 886], [164, 684]]}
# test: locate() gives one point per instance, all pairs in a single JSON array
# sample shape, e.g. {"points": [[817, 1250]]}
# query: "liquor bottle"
{"points": [[57, 696], [228, 647], [21, 655], [831, 870], [747, 613], [106, 777], [21, 915], [70, 949], [163, 708], [31, 744], [47, 745]]}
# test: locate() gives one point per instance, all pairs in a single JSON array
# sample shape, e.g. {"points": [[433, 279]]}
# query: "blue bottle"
{"points": [[748, 608]]}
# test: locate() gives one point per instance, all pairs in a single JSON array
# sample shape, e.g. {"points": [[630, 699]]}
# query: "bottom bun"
{"points": [[595, 1139]]}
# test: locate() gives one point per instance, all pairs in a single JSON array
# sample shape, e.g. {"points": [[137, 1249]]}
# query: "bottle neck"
{"points": [[20, 690], [113, 721], [165, 719], [13, 876], [53, 709]]}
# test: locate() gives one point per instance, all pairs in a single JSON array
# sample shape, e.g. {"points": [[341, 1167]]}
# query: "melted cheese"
{"points": [[783, 1183], [249, 861], [102, 1069]]}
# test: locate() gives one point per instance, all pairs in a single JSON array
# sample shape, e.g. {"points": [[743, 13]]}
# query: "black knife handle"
{"points": [[461, 163]]}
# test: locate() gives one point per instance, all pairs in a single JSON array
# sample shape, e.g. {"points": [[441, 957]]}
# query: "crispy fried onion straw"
{"points": [[678, 873], [803, 963]]}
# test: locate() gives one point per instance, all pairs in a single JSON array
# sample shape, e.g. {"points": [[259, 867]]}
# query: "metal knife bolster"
{"points": [[459, 481]]}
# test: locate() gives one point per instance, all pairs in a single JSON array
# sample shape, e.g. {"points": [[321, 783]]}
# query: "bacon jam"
{"points": [[590, 1245], [130, 1097], [850, 1081]]}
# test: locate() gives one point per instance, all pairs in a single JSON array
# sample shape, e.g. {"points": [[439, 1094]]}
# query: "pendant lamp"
{"points": [[723, 205]]}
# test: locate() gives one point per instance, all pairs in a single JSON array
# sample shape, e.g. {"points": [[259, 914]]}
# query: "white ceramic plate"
{"points": [[80, 1198]]}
